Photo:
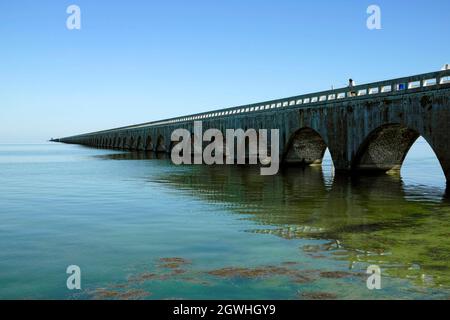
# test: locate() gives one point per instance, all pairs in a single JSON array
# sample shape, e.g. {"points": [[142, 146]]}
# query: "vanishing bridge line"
{"points": [[366, 127]]}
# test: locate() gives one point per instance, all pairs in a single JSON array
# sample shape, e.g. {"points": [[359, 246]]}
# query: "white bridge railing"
{"points": [[428, 81]]}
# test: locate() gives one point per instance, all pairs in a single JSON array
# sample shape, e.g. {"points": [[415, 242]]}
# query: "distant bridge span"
{"points": [[370, 127]]}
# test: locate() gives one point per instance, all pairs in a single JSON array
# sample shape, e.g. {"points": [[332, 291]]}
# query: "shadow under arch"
{"points": [[385, 148], [305, 147]]}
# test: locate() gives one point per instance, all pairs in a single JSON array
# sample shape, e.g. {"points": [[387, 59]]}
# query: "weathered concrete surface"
{"points": [[369, 132]]}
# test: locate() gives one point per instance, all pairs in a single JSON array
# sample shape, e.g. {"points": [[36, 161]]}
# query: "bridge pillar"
{"points": [[435, 126], [444, 158]]}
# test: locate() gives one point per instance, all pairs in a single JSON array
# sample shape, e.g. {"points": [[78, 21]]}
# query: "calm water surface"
{"points": [[142, 228]]}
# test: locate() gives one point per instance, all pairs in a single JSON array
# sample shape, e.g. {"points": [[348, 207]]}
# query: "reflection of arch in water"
{"points": [[305, 147], [241, 185], [367, 214], [361, 191], [134, 155]]}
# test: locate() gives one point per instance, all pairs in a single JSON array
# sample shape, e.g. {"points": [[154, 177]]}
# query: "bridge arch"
{"points": [[305, 147], [385, 148]]}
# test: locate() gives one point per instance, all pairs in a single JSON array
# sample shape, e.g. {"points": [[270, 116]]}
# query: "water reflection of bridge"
{"points": [[373, 217]]}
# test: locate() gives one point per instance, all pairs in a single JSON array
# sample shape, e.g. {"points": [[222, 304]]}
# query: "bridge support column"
{"points": [[437, 133], [445, 162]]}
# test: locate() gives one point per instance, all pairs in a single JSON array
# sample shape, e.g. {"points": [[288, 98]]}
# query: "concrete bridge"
{"points": [[367, 127]]}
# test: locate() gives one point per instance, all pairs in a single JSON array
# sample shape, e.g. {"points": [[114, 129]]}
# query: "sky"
{"points": [[137, 61]]}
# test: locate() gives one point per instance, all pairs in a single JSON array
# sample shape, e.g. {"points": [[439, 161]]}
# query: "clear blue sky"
{"points": [[137, 61]]}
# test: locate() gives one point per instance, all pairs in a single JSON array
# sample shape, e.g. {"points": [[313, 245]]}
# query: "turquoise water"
{"points": [[142, 228]]}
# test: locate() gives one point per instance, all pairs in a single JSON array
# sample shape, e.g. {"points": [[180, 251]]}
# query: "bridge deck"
{"points": [[399, 86]]}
